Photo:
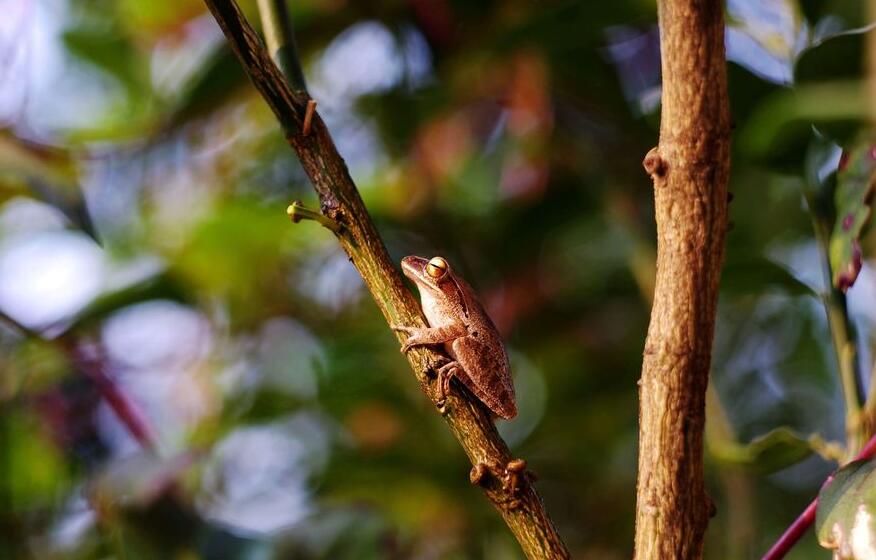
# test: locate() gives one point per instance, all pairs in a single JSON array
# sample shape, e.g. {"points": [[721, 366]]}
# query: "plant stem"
{"points": [[123, 407], [868, 415], [468, 420], [298, 212], [280, 40], [800, 525], [842, 336], [690, 169], [739, 513]]}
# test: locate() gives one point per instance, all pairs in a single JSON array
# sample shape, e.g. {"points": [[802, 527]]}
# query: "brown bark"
{"points": [[468, 420], [690, 169]]}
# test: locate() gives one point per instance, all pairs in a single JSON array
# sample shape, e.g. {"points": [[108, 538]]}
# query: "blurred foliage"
{"points": [[856, 179], [505, 136]]}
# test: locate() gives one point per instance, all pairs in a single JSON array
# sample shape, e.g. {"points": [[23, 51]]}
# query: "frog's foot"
{"points": [[411, 341], [445, 373], [432, 371]]}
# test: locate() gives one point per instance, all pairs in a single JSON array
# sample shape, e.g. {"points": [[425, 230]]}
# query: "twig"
{"points": [[842, 335], [298, 212], [127, 413], [468, 420], [800, 525], [308, 117], [124, 408]]}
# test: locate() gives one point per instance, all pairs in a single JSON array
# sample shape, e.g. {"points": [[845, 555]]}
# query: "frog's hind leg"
{"points": [[448, 371], [445, 373]]}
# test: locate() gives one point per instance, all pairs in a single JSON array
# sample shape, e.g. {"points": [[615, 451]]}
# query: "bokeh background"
{"points": [[186, 374]]}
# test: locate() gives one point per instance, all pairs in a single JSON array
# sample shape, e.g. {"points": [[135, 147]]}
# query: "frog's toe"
{"points": [[442, 406]]}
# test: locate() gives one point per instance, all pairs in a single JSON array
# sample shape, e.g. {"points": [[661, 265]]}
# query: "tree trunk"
{"points": [[690, 169]]}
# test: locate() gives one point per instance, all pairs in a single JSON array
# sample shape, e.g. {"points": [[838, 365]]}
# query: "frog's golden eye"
{"points": [[437, 267]]}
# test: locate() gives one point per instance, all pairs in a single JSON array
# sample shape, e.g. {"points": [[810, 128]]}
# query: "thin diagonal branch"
{"points": [[468, 420]]}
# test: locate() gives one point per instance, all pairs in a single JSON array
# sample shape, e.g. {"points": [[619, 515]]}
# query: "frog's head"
{"points": [[429, 273]]}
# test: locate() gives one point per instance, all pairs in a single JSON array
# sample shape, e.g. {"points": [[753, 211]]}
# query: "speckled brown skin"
{"points": [[459, 322]]}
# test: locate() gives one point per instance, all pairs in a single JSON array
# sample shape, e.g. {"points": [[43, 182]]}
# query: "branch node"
{"points": [[478, 474], [711, 507], [308, 117], [514, 476], [298, 212], [654, 164]]}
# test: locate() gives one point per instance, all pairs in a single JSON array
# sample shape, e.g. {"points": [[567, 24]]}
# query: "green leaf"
{"points": [[137, 480], [855, 181], [837, 57], [49, 173], [111, 52], [844, 520], [780, 129], [218, 80], [773, 451], [152, 19], [753, 275], [35, 161], [812, 9], [34, 366], [819, 177], [820, 165], [33, 470], [161, 286]]}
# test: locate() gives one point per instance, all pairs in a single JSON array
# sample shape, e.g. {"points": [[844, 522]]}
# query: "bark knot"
{"points": [[654, 164], [711, 507]]}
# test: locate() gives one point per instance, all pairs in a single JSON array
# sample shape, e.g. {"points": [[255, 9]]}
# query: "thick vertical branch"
{"points": [[468, 420], [690, 170]]}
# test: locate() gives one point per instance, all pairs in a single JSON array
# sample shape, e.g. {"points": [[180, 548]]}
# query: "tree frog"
{"points": [[458, 321]]}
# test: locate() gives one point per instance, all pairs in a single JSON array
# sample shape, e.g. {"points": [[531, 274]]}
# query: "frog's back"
{"points": [[483, 357]]}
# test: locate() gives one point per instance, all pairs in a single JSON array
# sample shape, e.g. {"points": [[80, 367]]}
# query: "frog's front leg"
{"points": [[436, 335], [419, 336]]}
